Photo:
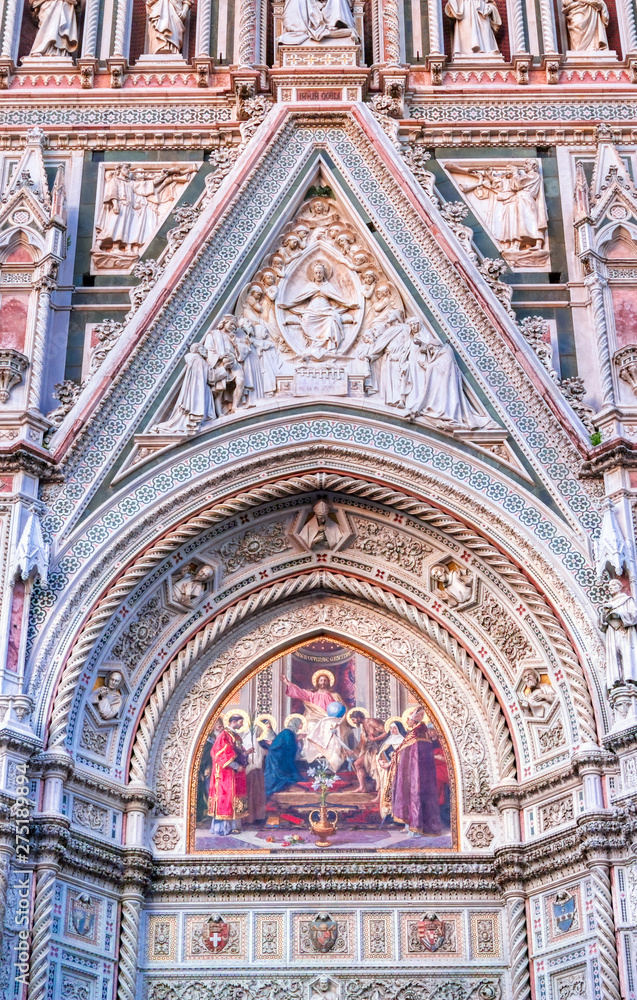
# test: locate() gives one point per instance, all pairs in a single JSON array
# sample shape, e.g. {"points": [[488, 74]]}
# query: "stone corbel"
{"points": [[7, 69], [88, 68], [522, 66], [12, 365], [435, 63], [203, 68], [625, 361], [117, 68], [551, 65]]}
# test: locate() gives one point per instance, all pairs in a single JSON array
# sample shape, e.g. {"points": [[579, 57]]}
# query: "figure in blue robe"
{"points": [[280, 764]]}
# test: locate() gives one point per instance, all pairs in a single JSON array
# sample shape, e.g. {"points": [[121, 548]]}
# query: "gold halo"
{"points": [[328, 674], [297, 715], [394, 718], [245, 728], [262, 719], [357, 708], [408, 711]]}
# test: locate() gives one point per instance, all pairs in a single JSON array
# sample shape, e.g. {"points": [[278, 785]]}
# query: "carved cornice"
{"points": [[626, 739], [21, 458], [609, 456]]}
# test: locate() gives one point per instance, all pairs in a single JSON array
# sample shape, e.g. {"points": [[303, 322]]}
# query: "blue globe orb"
{"points": [[335, 710]]}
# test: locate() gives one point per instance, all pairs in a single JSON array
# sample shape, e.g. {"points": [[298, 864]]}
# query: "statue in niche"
{"points": [[322, 529], [325, 989], [453, 584], [619, 621], [57, 27], [509, 199], [473, 32], [166, 24], [316, 20], [133, 202], [108, 699], [192, 584], [322, 310], [586, 23], [538, 695]]}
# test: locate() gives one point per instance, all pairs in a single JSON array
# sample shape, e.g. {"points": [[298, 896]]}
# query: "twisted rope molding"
{"points": [[42, 920], [519, 961], [606, 934], [336, 483], [323, 579], [128, 946]]}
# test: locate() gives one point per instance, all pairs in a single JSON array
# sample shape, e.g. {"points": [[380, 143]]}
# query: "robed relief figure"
{"points": [[321, 308], [586, 23], [312, 20], [473, 29], [166, 23], [57, 27], [619, 620]]}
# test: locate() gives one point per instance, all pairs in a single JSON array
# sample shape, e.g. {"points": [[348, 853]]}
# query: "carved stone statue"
{"points": [[538, 696], [191, 586], [166, 21], [57, 27], [619, 621], [473, 29], [586, 23], [108, 699], [314, 20]]}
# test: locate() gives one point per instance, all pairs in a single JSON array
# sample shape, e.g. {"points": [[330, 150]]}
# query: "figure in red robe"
{"points": [[412, 780], [228, 795]]}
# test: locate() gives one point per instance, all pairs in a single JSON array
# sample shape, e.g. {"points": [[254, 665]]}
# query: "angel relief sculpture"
{"points": [[321, 317]]}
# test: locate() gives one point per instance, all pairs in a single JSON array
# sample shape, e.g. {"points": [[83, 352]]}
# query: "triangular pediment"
{"points": [[399, 323]]}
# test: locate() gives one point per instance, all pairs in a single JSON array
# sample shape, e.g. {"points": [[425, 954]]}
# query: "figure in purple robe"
{"points": [[414, 788]]}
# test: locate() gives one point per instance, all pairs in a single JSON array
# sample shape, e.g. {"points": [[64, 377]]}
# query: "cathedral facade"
{"points": [[318, 493]]}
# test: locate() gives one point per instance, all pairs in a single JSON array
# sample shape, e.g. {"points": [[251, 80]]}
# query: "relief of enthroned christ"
{"points": [[322, 310], [313, 20]]}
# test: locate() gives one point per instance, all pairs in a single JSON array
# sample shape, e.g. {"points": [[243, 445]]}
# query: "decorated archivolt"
{"points": [[319, 542], [322, 316]]}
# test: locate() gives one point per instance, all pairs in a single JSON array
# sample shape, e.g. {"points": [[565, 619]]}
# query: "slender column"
{"points": [[129, 945], [596, 284], [45, 286], [91, 21], [606, 938], [9, 29], [390, 32], [519, 961], [5, 865], [204, 15], [519, 39], [548, 28], [631, 27], [247, 33], [121, 24], [41, 940]]}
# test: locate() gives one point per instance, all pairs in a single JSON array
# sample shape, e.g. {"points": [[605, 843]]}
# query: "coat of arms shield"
{"points": [[216, 934], [83, 915], [564, 912], [431, 932], [323, 932]]}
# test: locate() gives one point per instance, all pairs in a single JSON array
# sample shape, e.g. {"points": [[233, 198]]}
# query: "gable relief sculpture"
{"points": [[133, 200], [507, 198], [321, 317]]}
